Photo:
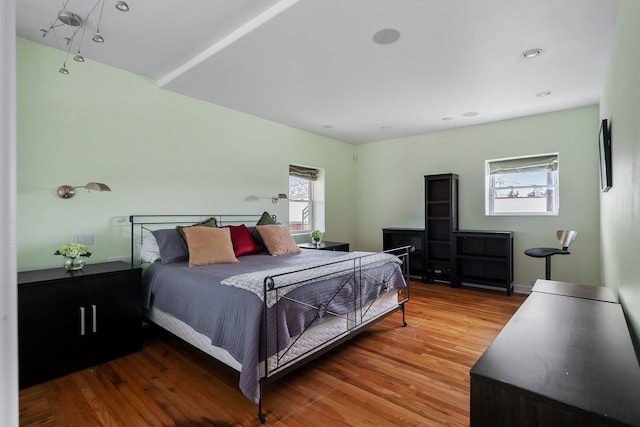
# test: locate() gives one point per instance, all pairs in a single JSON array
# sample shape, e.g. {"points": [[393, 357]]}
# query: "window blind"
{"points": [[547, 162], [303, 172]]}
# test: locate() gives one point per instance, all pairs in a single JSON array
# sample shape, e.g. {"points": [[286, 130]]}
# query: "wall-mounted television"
{"points": [[605, 156]]}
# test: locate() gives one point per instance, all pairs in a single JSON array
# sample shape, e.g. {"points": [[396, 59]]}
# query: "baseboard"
{"points": [[522, 289], [517, 288]]}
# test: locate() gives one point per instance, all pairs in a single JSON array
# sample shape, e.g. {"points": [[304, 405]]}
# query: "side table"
{"points": [[70, 320], [326, 246]]}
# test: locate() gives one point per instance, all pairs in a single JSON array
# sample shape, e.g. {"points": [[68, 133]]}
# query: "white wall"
{"points": [[620, 206], [8, 290], [390, 186]]}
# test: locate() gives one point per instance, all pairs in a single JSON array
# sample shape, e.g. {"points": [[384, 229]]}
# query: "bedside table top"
{"points": [[59, 273], [323, 245]]}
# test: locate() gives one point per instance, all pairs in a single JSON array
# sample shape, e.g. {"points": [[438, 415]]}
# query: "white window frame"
{"points": [[547, 162], [309, 202], [316, 202]]}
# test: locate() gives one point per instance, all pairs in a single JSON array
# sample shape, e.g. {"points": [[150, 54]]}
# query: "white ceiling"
{"points": [[313, 65]]}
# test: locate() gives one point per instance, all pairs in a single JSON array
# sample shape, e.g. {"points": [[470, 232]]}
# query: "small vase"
{"points": [[316, 241], [73, 264]]}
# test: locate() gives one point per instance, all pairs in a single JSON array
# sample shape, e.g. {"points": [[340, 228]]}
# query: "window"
{"points": [[522, 185], [301, 198]]}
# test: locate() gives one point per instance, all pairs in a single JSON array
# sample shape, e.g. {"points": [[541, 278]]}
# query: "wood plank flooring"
{"points": [[389, 375]]}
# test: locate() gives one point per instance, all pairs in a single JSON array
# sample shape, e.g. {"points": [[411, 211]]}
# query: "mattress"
{"points": [[315, 338]]}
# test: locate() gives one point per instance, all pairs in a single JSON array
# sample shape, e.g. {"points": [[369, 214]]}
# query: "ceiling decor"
{"points": [[69, 28]]}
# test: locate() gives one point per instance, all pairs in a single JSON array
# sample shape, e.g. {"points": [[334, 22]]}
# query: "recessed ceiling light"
{"points": [[531, 53], [385, 127], [122, 6], [470, 114], [386, 36], [328, 126], [446, 119], [543, 94]]}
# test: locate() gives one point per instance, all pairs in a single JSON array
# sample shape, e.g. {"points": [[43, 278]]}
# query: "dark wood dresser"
{"points": [[71, 320], [564, 359]]}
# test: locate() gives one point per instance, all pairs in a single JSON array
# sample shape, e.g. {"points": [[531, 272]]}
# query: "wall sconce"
{"points": [[275, 199], [67, 191]]}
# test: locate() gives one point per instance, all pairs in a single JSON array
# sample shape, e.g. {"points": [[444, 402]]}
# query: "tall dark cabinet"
{"points": [[441, 219]]}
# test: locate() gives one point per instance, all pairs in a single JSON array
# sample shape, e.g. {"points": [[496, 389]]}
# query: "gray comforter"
{"points": [[233, 317]]}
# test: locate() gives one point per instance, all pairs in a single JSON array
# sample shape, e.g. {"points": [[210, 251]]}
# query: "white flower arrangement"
{"points": [[73, 250], [316, 235]]}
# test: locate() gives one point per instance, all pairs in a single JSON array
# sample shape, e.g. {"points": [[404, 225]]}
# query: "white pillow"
{"points": [[148, 249]]}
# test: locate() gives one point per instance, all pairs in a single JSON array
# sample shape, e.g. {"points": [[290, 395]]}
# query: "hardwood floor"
{"points": [[389, 375]]}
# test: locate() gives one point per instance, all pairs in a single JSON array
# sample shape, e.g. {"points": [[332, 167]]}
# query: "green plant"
{"points": [[316, 235]]}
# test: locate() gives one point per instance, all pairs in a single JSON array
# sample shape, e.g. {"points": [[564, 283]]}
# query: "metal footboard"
{"points": [[367, 285]]}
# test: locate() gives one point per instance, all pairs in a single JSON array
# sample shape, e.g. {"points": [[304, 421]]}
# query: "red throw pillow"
{"points": [[243, 243]]}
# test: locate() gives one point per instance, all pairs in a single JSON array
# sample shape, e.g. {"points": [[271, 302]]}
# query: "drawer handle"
{"points": [[94, 315], [82, 321]]}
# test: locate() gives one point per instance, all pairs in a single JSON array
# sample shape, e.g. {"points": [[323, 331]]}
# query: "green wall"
{"points": [[158, 151], [162, 152], [391, 186], [620, 206]]}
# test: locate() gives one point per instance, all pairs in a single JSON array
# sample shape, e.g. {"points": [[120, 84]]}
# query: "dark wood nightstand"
{"points": [[326, 246], [72, 320]]}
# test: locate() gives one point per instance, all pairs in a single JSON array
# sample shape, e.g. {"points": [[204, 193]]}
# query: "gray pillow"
{"points": [[171, 247], [209, 222], [265, 219]]}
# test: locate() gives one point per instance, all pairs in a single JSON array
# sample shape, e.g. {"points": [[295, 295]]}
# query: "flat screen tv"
{"points": [[605, 156]]}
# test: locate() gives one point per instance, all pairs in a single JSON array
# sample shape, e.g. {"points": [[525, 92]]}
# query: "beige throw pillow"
{"points": [[277, 239], [208, 245]]}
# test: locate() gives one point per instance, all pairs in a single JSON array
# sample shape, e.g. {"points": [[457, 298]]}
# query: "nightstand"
{"points": [[326, 246], [70, 320]]}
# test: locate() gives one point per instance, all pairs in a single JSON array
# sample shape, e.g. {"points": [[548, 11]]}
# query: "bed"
{"points": [[261, 315]]}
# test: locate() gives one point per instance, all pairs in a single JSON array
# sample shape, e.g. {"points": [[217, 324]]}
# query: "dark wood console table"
{"points": [[563, 359]]}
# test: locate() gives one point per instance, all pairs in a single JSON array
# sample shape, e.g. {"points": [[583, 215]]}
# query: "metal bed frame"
{"points": [[277, 365]]}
